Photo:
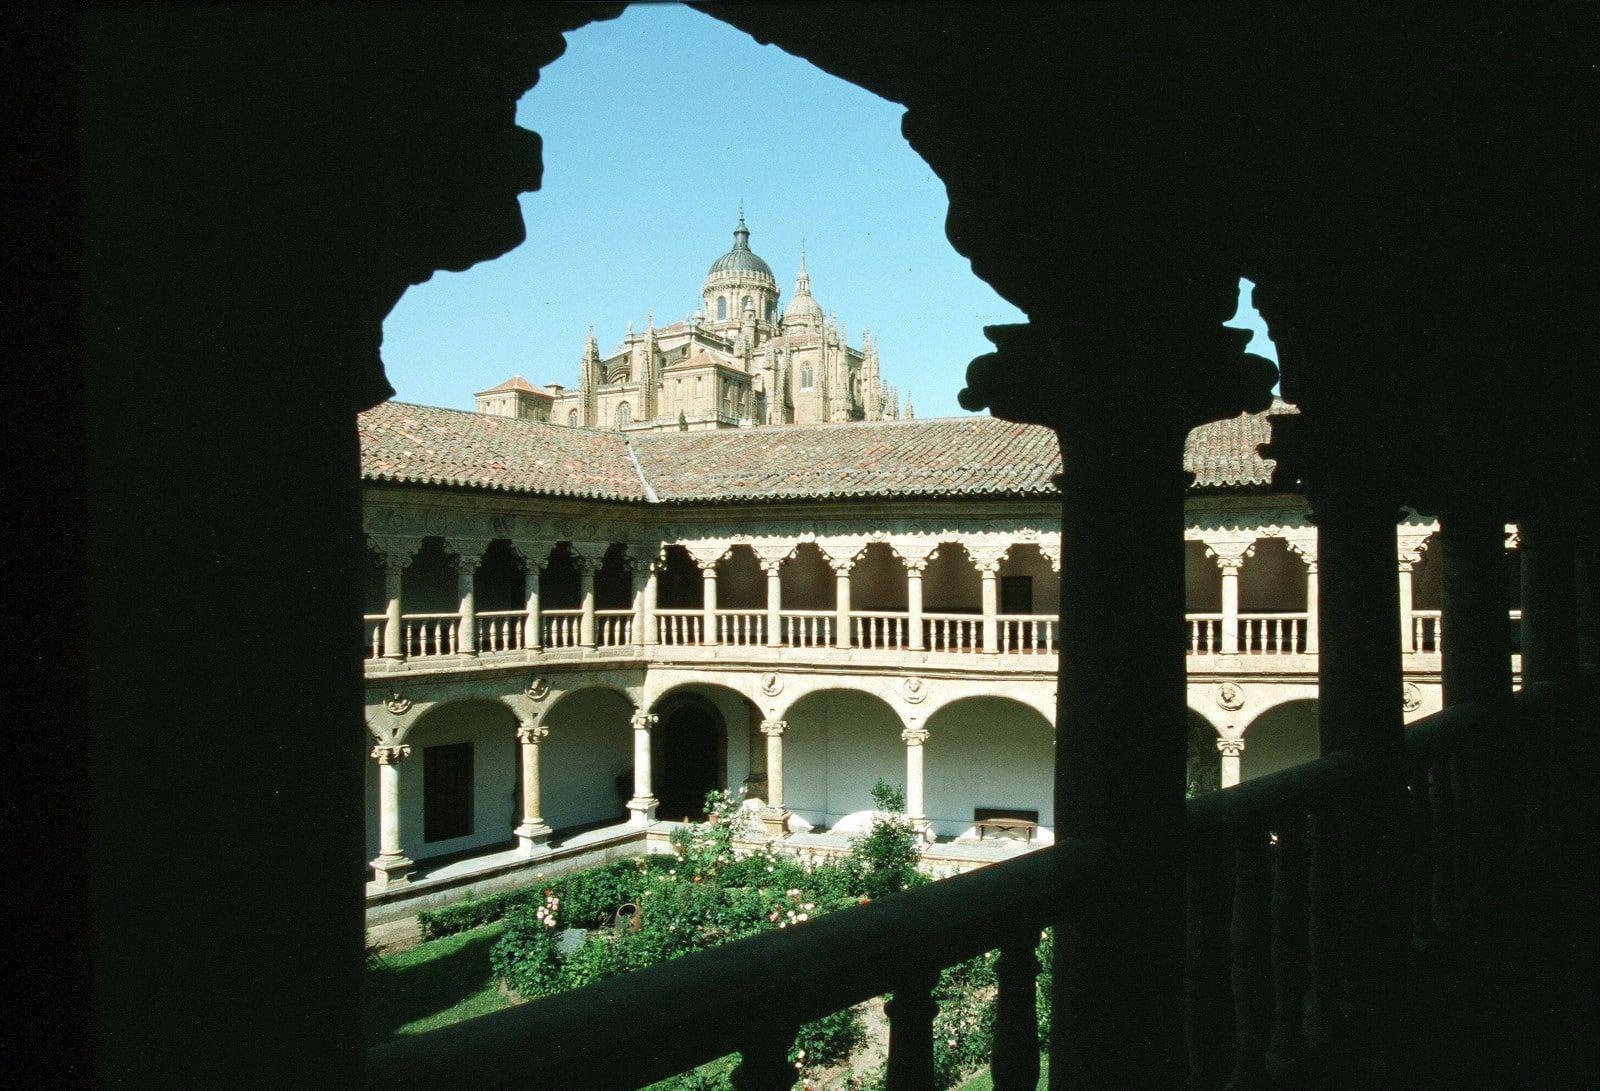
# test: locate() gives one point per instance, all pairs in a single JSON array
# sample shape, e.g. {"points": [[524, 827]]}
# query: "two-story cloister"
{"points": [[572, 635]]}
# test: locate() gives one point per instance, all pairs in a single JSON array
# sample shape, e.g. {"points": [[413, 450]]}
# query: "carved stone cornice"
{"points": [[391, 755]]}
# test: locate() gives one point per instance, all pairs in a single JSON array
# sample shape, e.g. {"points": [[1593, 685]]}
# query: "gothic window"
{"points": [[772, 310], [722, 307], [572, 419], [806, 378], [624, 416]]}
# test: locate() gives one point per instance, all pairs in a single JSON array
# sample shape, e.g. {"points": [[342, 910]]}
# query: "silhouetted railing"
{"points": [[1267, 923]]}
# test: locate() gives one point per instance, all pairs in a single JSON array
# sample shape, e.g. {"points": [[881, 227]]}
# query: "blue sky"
{"points": [[656, 126]]}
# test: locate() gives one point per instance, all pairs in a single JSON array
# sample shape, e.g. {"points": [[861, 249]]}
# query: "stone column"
{"points": [[988, 566], [391, 866], [914, 573], [643, 803], [1230, 555], [1476, 663], [393, 570], [841, 585], [396, 554], [709, 634], [652, 573], [588, 557], [469, 555], [532, 833], [775, 817], [1409, 549], [535, 557], [914, 737], [1313, 611], [1232, 749], [771, 560]]}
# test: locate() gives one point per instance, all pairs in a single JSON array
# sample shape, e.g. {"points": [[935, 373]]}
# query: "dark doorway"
{"points": [[690, 761], [446, 791], [1016, 594]]}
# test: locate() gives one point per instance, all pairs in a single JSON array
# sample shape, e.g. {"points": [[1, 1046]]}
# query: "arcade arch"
{"points": [[1284, 735], [990, 752], [587, 759], [838, 744]]}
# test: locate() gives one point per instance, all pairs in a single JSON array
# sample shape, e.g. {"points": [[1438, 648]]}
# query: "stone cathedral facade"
{"points": [[740, 360]]}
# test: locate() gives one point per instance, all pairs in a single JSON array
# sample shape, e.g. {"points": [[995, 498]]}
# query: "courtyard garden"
{"points": [[520, 945]]}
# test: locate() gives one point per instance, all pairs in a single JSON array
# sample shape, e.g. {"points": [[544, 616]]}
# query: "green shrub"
{"points": [[1046, 980], [527, 956], [828, 1041], [886, 854]]}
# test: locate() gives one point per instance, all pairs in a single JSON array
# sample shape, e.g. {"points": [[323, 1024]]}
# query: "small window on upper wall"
{"points": [[572, 419], [722, 307], [624, 416]]}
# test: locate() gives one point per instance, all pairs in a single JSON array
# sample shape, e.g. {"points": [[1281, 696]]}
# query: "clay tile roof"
{"points": [[1227, 452], [516, 382], [927, 457], [957, 456], [423, 444]]}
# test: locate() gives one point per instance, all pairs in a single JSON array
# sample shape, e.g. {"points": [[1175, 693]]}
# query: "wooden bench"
{"points": [[1004, 819]]}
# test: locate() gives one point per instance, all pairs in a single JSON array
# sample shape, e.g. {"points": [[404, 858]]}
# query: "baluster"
{"points": [[1422, 862], [911, 1012], [1291, 864], [1438, 634], [1014, 1062], [1252, 959], [764, 1059], [1277, 636], [1323, 932], [1194, 637], [1445, 816], [1416, 634], [1208, 995]]}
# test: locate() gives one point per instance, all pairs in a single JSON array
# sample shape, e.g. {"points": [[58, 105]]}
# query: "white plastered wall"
{"points": [[589, 745], [491, 729], [987, 752]]}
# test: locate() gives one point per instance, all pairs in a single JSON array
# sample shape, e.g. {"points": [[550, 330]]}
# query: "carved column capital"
{"points": [[916, 556], [535, 555], [774, 727], [397, 551], [1230, 553], [914, 736], [531, 733], [708, 554], [1305, 548], [391, 754], [1409, 548], [468, 552], [589, 556], [643, 721], [1231, 746]]}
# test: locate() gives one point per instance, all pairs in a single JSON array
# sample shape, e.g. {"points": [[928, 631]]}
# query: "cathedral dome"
{"points": [[802, 308], [741, 259]]}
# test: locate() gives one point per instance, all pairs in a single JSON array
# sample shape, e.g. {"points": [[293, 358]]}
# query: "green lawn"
{"points": [[982, 1082], [432, 984]]}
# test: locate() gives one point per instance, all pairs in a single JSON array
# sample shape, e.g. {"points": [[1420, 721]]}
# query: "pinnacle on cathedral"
{"points": [[735, 363]]}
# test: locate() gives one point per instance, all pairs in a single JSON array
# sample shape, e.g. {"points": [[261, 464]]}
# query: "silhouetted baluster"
{"points": [[1445, 820], [1471, 824], [1014, 1064], [1291, 863], [1323, 932], [911, 1013], [1252, 959], [1422, 860], [1208, 994], [764, 1063]]}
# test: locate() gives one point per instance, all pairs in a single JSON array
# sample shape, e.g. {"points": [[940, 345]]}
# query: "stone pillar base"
{"points": [[643, 810], [392, 870], [924, 830], [532, 838], [776, 822]]}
